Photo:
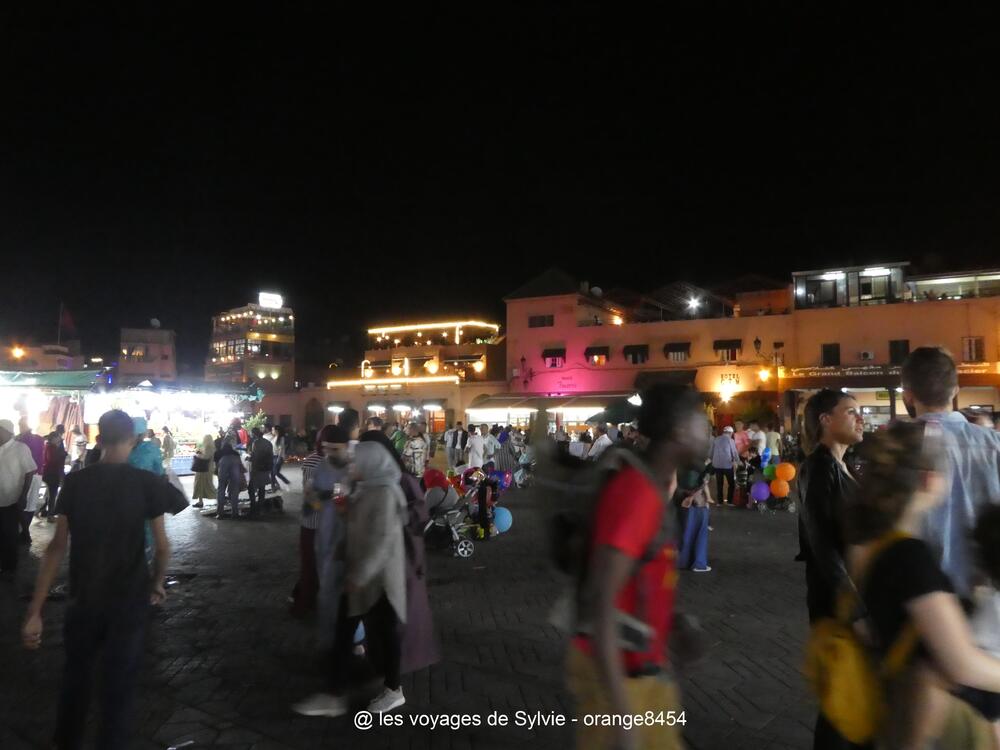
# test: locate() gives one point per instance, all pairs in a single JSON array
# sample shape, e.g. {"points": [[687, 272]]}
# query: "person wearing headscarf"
{"points": [[204, 487], [420, 645], [375, 583], [146, 454]]}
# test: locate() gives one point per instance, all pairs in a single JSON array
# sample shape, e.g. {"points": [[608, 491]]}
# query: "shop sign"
{"points": [[881, 395], [977, 368]]}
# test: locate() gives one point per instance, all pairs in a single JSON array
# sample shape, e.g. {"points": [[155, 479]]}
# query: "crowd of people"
{"points": [[901, 547]]}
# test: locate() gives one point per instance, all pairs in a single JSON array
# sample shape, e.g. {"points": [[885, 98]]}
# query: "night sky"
{"points": [[171, 161]]}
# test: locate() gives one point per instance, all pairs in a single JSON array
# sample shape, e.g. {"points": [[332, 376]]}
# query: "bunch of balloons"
{"points": [[777, 477]]}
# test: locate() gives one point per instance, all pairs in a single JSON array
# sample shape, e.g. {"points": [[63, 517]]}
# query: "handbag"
{"points": [[199, 464]]}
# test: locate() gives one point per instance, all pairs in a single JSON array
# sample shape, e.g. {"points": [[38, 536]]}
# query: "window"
{"points": [[541, 321], [899, 350], [677, 352], [165, 357], [728, 349], [554, 358], [597, 355], [973, 349], [636, 354], [831, 355]]}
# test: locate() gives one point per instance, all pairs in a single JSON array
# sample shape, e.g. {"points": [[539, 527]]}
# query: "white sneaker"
{"points": [[387, 701], [321, 704], [707, 569]]}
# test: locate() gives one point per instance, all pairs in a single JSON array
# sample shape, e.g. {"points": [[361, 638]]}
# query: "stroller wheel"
{"points": [[465, 548]]}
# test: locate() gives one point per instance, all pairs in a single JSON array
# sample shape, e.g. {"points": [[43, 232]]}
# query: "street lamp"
{"points": [[17, 352]]}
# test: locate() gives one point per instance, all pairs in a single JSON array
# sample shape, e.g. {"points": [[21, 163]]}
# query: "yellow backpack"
{"points": [[841, 670]]}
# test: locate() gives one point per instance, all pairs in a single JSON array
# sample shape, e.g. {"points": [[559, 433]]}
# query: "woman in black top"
{"points": [[832, 424], [904, 585]]}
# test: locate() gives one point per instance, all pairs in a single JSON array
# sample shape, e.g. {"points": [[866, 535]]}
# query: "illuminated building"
{"points": [[254, 344], [756, 345]]}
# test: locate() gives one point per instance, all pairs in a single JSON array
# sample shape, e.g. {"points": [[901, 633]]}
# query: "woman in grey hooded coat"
{"points": [[376, 565]]}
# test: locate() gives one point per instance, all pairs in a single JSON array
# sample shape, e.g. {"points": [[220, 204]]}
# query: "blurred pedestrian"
{"points": [[36, 445], [168, 446], [17, 470], [203, 466], [53, 473], [261, 468], [725, 457], [632, 571], [458, 445], [375, 583], [419, 646], [229, 467], [601, 444], [916, 624], [111, 586], [279, 443], [416, 451]]}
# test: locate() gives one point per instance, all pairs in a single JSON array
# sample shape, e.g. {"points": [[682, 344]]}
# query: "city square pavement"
{"points": [[224, 660]]}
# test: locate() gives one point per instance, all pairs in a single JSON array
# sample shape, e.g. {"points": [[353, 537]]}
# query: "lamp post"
{"points": [[765, 374]]}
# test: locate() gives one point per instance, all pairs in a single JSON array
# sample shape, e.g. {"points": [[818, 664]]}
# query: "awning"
{"points": [[645, 380], [722, 345], [502, 401], [677, 346], [642, 349], [547, 353], [58, 380], [597, 351]]}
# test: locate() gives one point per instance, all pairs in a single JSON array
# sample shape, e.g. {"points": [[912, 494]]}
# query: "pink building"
{"points": [[578, 347]]}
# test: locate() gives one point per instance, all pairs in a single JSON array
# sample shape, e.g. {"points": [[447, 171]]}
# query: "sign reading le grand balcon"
{"points": [[876, 371]]}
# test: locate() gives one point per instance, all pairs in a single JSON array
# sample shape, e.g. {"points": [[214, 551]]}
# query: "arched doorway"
{"points": [[314, 415]]}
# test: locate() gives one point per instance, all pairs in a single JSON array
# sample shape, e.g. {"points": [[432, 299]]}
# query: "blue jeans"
{"points": [[695, 539], [115, 633]]}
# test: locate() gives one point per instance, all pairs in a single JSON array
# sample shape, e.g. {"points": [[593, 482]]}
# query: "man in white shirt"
{"points": [[477, 448], [447, 446], [16, 469], [600, 445]]}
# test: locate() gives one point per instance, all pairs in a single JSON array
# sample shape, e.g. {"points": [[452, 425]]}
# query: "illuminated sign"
{"points": [[421, 326], [270, 300], [393, 381]]}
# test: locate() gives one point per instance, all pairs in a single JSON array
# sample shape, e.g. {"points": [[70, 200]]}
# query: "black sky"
{"points": [[169, 161]]}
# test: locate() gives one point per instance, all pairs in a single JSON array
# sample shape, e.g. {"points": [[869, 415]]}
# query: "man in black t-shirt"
{"points": [[104, 508]]}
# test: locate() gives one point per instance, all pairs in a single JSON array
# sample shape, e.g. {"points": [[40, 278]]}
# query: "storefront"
{"points": [[190, 411]]}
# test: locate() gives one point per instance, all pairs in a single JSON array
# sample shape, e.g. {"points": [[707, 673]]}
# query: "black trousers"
{"points": [[53, 483], [382, 637], [10, 523], [719, 475], [113, 634]]}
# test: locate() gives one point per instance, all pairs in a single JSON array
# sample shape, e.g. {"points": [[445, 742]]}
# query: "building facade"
{"points": [[254, 344], [848, 328], [147, 354], [28, 357]]}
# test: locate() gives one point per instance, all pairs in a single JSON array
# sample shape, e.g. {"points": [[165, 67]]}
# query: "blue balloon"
{"points": [[502, 519]]}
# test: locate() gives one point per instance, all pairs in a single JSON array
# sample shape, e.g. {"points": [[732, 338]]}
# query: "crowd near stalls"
{"points": [[898, 537]]}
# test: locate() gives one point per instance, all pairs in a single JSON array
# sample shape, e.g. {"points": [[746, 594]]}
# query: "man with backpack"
{"points": [[629, 578]]}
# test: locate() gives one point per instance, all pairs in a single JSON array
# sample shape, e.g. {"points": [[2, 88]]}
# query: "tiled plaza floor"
{"points": [[224, 660]]}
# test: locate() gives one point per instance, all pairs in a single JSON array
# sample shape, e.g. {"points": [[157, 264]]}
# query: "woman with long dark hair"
{"points": [[826, 486]]}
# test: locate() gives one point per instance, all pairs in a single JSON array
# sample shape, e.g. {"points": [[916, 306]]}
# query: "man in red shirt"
{"points": [[632, 570]]}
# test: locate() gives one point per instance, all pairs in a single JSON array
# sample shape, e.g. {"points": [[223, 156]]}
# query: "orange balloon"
{"points": [[780, 488], [785, 471]]}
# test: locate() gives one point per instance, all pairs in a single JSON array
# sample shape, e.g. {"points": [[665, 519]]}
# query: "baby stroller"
{"points": [[449, 523]]}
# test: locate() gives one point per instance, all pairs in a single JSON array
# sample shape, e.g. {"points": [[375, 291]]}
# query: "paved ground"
{"points": [[224, 661]]}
